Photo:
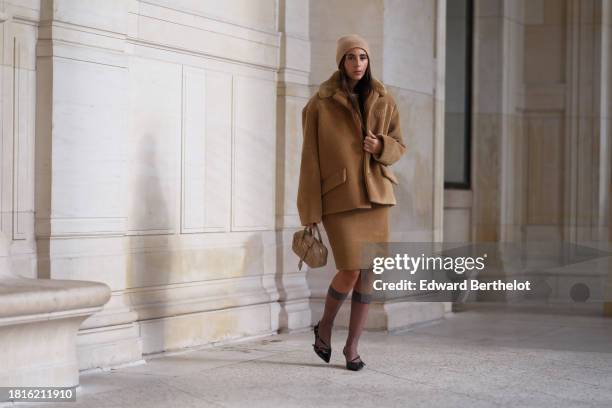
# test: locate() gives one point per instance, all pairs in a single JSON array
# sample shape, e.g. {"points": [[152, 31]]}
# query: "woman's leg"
{"points": [[339, 288], [360, 302]]}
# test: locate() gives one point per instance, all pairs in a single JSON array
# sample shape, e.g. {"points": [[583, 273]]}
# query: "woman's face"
{"points": [[355, 63]]}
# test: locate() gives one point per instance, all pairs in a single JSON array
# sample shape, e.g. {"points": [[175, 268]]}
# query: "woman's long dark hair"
{"points": [[362, 89]]}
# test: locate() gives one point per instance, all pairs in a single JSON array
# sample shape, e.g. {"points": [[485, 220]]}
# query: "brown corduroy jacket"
{"points": [[336, 174]]}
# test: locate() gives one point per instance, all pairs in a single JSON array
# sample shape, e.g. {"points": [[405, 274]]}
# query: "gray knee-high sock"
{"points": [[360, 302], [333, 302]]}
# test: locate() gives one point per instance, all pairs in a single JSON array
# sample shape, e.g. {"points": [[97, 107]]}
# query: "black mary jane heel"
{"points": [[354, 365], [322, 351]]}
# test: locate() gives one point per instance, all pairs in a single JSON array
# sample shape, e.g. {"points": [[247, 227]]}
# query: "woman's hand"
{"points": [[372, 144]]}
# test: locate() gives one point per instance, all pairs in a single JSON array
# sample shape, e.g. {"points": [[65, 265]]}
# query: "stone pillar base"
{"points": [[294, 316]]}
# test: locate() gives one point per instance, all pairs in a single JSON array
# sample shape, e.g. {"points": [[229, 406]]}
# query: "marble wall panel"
{"points": [[207, 138], [154, 146], [254, 154], [89, 123], [293, 106], [23, 154], [18, 88]]}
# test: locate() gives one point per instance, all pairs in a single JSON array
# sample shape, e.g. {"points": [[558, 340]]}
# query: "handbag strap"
{"points": [[318, 232]]}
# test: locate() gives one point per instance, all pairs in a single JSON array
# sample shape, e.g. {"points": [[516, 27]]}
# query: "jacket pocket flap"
{"points": [[333, 181], [388, 173]]}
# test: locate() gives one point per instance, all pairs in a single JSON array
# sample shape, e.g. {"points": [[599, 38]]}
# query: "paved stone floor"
{"points": [[476, 358]]}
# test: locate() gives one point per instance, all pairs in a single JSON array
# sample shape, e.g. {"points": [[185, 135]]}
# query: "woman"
{"points": [[351, 134]]}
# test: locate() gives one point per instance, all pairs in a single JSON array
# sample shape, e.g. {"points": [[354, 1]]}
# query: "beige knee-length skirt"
{"points": [[350, 232]]}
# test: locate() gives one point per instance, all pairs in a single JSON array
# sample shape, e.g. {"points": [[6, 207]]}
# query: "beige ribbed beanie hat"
{"points": [[347, 42]]}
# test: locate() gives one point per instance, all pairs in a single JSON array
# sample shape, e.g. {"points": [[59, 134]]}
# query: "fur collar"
{"points": [[329, 87]]}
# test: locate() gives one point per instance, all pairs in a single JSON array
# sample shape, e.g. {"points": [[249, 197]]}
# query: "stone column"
{"points": [[81, 135], [292, 93], [497, 87], [587, 121], [18, 26], [587, 139]]}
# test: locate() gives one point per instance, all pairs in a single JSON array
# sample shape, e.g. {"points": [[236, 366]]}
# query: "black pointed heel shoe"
{"points": [[322, 351], [355, 364]]}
